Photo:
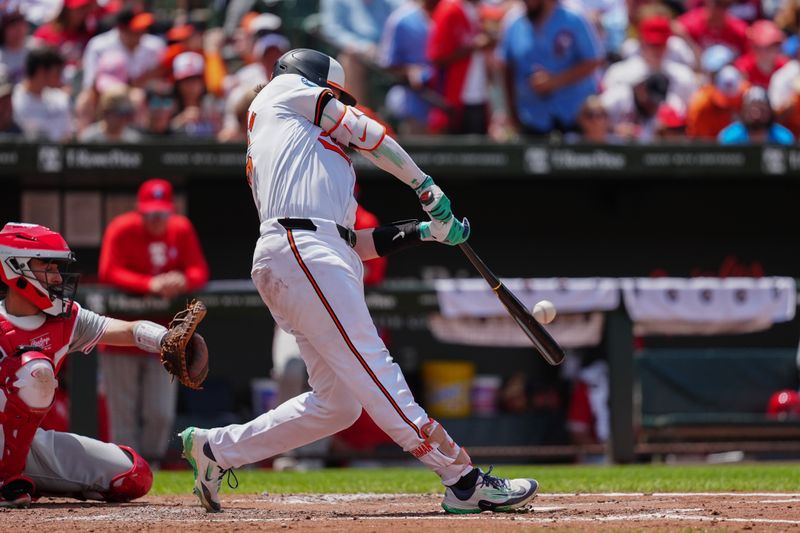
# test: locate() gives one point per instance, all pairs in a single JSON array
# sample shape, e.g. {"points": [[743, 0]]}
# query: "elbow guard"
{"points": [[396, 237], [358, 130]]}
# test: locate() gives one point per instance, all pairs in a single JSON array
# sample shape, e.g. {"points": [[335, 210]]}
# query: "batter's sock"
{"points": [[208, 452], [467, 481]]}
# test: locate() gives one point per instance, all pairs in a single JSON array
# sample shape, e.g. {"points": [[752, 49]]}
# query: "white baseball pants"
{"points": [[312, 283]]}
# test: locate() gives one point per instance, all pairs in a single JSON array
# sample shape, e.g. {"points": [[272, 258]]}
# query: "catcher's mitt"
{"points": [[183, 352]]}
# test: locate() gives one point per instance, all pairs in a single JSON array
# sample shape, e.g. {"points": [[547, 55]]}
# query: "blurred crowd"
{"points": [[598, 71]]}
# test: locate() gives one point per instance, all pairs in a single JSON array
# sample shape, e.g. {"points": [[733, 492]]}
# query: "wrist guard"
{"points": [[396, 236]]}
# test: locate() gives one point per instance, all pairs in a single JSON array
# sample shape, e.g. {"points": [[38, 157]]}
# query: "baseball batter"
{"points": [[39, 325], [308, 268]]}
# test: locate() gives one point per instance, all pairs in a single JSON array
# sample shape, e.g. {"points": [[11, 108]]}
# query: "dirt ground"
{"points": [[355, 513]]}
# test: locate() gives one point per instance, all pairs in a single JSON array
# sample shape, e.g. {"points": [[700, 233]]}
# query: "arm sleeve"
{"points": [[89, 328], [388, 51], [112, 269], [195, 267], [588, 45]]}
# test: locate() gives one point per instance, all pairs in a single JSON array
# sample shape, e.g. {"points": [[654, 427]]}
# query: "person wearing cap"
{"points": [[116, 115], [784, 94], [149, 251], [670, 124], [757, 123], [160, 107], [199, 114], [112, 72], [142, 50], [712, 24], [41, 107], [193, 36], [632, 110], [594, 126], [716, 104], [765, 57], [69, 32], [654, 33], [14, 44]]}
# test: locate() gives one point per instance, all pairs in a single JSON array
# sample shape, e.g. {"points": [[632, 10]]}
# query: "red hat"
{"points": [[180, 33], [784, 404], [765, 33], [188, 64], [155, 196], [75, 4], [655, 30], [669, 117]]}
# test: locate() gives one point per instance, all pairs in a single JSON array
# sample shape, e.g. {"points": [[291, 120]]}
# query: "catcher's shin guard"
{"points": [[132, 484], [27, 389]]}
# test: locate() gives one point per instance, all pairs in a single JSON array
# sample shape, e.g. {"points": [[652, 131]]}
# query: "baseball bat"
{"points": [[547, 347]]}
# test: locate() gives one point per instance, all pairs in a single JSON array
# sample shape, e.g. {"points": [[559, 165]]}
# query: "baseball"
{"points": [[544, 312]]}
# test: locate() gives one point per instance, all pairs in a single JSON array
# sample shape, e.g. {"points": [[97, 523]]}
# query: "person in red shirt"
{"points": [[70, 31], [150, 251], [712, 24], [765, 57], [456, 46]]}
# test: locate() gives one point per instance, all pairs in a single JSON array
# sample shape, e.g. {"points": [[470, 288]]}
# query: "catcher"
{"points": [[39, 325]]}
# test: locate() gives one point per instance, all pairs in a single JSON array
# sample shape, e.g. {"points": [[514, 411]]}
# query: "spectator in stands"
{"points": [[116, 114], [457, 47], [784, 93], [112, 72], [142, 50], [240, 133], [41, 107], [194, 37], [354, 27], [199, 113], [266, 51], [632, 110], [401, 53], [14, 40], [765, 57], [654, 33], [593, 124], [148, 251], [550, 56], [160, 108], [670, 124], [712, 24], [787, 18], [8, 127], [69, 33], [757, 124], [715, 105]]}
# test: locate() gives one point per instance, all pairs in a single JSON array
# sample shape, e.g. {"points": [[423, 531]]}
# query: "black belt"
{"points": [[347, 234]]}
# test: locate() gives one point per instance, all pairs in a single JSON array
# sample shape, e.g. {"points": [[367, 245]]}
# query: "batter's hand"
{"points": [[434, 201], [452, 232]]}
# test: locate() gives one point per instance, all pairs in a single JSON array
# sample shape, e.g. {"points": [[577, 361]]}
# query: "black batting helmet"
{"points": [[316, 67]]}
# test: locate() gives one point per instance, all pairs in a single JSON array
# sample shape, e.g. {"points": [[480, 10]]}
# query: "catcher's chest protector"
{"points": [[19, 421]]}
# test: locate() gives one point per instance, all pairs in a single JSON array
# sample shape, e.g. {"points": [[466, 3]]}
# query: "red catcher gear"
{"points": [[784, 404], [19, 420], [19, 243], [132, 484]]}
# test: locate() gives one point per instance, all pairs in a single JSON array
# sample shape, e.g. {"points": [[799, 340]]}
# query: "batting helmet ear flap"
{"points": [[318, 68]]}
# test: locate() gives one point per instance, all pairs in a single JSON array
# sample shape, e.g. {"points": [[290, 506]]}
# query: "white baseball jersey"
{"points": [[294, 168]]}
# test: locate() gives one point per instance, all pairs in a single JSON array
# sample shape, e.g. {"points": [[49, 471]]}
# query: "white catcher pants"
{"points": [[312, 283]]}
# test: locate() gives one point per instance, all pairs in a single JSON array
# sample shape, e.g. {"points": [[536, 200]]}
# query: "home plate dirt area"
{"points": [[415, 513]]}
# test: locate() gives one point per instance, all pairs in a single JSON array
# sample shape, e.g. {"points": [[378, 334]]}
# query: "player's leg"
{"points": [[330, 310], [159, 399], [121, 375], [327, 409], [73, 466]]}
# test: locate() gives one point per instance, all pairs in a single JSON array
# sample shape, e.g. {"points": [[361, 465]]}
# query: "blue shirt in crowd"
{"points": [[562, 42], [355, 23], [736, 133], [403, 43]]}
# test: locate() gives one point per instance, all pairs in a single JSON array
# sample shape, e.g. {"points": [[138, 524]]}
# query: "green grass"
{"points": [[784, 477]]}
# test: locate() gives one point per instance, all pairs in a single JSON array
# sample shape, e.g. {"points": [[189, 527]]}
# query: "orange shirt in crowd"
{"points": [[710, 112]]}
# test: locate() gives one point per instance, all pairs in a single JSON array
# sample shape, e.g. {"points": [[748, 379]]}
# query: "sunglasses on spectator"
{"points": [[160, 102], [156, 215]]}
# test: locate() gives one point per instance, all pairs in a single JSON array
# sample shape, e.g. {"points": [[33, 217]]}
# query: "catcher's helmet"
{"points": [[784, 404], [19, 243], [316, 67]]}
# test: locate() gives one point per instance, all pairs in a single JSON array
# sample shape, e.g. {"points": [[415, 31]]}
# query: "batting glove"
{"points": [[434, 201], [452, 232]]}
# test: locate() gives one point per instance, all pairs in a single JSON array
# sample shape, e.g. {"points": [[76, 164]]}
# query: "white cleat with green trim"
{"points": [[207, 473], [490, 494]]}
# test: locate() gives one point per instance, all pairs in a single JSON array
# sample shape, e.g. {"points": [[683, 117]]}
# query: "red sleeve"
{"points": [[112, 269], [444, 38], [194, 264]]}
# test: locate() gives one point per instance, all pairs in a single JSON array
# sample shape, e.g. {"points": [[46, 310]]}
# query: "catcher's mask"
{"points": [[317, 68], [33, 263]]}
